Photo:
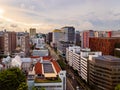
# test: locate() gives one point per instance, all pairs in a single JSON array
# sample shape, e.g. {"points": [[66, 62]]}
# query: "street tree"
{"points": [[11, 79]]}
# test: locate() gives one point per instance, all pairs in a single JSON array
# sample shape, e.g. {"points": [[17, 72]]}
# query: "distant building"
{"points": [[85, 38], [2, 44], [57, 35], [115, 33], [77, 38], [49, 37], [23, 40], [39, 42], [104, 44], [32, 31], [41, 52], [104, 72], [9, 42], [62, 45], [69, 33]]}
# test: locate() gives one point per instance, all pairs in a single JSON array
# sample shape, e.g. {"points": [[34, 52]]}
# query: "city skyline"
{"points": [[47, 15]]}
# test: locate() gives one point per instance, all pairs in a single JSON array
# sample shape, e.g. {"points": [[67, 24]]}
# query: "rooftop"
{"points": [[48, 68], [47, 80], [107, 58], [106, 37]]}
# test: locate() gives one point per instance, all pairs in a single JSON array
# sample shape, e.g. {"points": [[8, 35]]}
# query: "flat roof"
{"points": [[106, 37], [107, 58], [48, 68]]}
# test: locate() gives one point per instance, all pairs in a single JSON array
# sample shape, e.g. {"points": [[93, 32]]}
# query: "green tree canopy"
{"points": [[11, 79], [23, 86]]}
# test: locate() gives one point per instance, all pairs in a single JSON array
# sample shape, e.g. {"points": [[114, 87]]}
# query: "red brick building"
{"points": [[9, 42], [104, 44], [1, 44]]}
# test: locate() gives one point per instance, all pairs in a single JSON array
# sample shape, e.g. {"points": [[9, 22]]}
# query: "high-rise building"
{"points": [[2, 44], [85, 38], [9, 42], [104, 72], [69, 33], [56, 37], [23, 41], [104, 44], [77, 38], [32, 31], [62, 45], [49, 37]]}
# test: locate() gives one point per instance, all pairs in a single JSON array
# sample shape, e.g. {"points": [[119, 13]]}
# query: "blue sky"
{"points": [[47, 15]]}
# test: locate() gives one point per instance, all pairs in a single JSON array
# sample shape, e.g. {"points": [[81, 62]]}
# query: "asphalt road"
{"points": [[52, 52]]}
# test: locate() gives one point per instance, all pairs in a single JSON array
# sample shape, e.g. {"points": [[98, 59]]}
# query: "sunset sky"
{"points": [[47, 15]]}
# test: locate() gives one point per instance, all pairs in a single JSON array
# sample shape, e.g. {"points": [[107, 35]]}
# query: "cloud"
{"points": [[50, 14]]}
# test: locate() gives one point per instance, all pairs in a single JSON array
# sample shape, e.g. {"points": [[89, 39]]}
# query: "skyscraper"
{"points": [[85, 38], [69, 33], [9, 42], [32, 31]]}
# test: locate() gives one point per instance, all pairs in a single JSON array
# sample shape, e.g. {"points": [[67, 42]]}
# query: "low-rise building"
{"points": [[40, 52], [47, 74]]}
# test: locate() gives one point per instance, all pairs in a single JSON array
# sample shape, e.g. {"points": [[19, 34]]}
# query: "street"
{"points": [[52, 52]]}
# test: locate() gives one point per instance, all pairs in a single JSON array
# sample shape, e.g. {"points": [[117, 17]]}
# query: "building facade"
{"points": [[104, 72], [104, 44], [85, 35], [77, 58], [32, 31], [9, 42], [2, 44], [57, 35], [69, 33], [49, 37], [62, 45], [77, 38], [23, 40]]}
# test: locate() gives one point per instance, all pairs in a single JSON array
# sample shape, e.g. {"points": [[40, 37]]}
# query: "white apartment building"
{"points": [[73, 57], [23, 42], [40, 42], [78, 59]]}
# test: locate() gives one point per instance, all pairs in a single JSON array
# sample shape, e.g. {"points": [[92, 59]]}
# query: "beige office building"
{"points": [[104, 72]]}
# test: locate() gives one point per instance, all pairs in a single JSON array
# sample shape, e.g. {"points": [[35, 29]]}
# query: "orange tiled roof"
{"points": [[57, 67], [47, 57], [38, 68]]}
